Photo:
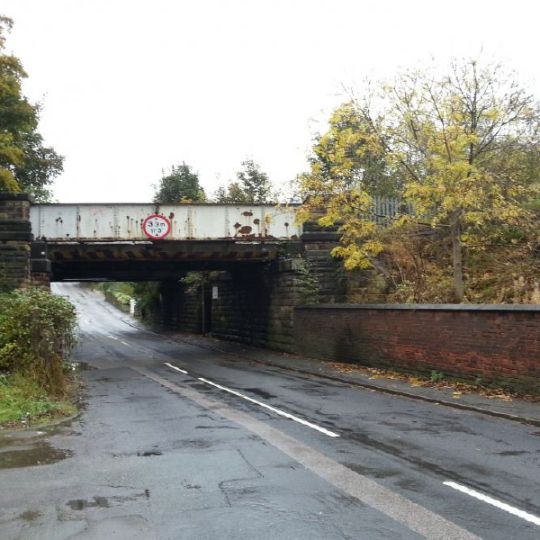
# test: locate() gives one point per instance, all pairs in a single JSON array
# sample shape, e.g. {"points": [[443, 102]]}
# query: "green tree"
{"points": [[40, 166], [464, 147], [25, 164], [220, 195], [254, 183], [181, 185], [232, 194], [252, 186]]}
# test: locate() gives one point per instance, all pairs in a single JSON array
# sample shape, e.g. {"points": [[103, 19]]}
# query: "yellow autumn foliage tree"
{"points": [[348, 169], [462, 149]]}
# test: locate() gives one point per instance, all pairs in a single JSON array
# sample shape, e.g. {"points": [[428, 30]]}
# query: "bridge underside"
{"points": [[151, 261], [250, 296]]}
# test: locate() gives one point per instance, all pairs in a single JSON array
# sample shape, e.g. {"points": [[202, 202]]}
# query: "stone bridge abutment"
{"points": [[252, 304], [23, 262]]}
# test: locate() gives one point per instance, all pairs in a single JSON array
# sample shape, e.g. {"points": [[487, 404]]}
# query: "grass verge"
{"points": [[24, 403]]}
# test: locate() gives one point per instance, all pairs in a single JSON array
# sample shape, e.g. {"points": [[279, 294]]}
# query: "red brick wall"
{"points": [[495, 343]]}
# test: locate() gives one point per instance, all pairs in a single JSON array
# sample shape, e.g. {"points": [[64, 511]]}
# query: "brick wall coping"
{"points": [[426, 307]]}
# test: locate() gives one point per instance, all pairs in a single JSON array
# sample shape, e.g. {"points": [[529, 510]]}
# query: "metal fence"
{"points": [[386, 209]]}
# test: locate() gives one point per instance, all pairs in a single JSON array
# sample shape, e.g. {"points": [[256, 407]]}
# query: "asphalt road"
{"points": [[178, 441]]}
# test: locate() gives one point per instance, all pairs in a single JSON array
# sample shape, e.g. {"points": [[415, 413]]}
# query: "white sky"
{"points": [[130, 87]]}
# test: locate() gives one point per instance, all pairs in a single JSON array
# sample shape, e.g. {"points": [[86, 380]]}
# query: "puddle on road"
{"points": [[106, 502], [81, 504], [260, 393], [371, 471], [191, 443], [30, 515], [216, 427], [409, 485], [512, 453], [29, 448], [150, 453], [39, 453]]}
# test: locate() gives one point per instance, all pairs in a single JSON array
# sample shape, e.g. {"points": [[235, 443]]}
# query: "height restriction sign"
{"points": [[156, 227]]}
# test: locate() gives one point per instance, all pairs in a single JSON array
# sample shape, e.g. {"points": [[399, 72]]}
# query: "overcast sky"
{"points": [[130, 87]]}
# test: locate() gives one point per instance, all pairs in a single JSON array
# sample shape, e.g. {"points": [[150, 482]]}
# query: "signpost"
{"points": [[156, 227]]}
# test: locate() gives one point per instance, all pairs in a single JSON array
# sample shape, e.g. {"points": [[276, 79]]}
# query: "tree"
{"points": [[181, 185], [254, 183], [25, 164], [464, 147], [40, 166], [252, 187], [232, 194], [345, 168], [344, 156]]}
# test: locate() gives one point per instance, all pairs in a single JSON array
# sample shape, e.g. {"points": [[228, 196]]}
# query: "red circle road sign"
{"points": [[156, 227]]}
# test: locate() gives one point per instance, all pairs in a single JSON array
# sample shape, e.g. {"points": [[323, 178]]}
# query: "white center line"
{"points": [[494, 502], [120, 341], [260, 403], [176, 368], [270, 408]]}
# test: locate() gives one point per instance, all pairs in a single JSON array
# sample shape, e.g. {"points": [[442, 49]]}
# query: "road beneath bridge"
{"points": [[180, 441]]}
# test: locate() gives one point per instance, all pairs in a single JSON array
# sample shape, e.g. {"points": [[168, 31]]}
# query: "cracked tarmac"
{"points": [[147, 461]]}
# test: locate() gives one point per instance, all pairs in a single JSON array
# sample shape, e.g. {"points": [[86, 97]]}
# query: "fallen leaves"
{"points": [[458, 388]]}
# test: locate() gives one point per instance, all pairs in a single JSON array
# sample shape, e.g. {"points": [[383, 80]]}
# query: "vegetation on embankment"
{"points": [[118, 293], [455, 154], [37, 332]]}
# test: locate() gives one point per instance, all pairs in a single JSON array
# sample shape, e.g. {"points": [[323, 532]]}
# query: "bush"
{"points": [[147, 295], [118, 293], [37, 331]]}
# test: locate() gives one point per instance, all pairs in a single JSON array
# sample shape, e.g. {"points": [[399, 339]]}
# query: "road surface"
{"points": [[179, 441]]}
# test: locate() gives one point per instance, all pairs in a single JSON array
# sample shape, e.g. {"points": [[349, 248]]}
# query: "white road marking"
{"points": [[417, 518], [122, 342], [270, 408], [494, 502], [454, 485], [176, 368]]}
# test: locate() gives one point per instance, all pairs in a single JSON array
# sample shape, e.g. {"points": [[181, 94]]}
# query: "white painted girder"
{"points": [[119, 221]]}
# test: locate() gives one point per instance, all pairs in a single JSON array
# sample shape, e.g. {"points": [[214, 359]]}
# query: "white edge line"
{"points": [[177, 368], [494, 502], [270, 408]]}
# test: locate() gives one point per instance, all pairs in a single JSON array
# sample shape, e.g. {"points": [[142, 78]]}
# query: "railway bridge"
{"points": [[133, 242], [258, 262]]}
